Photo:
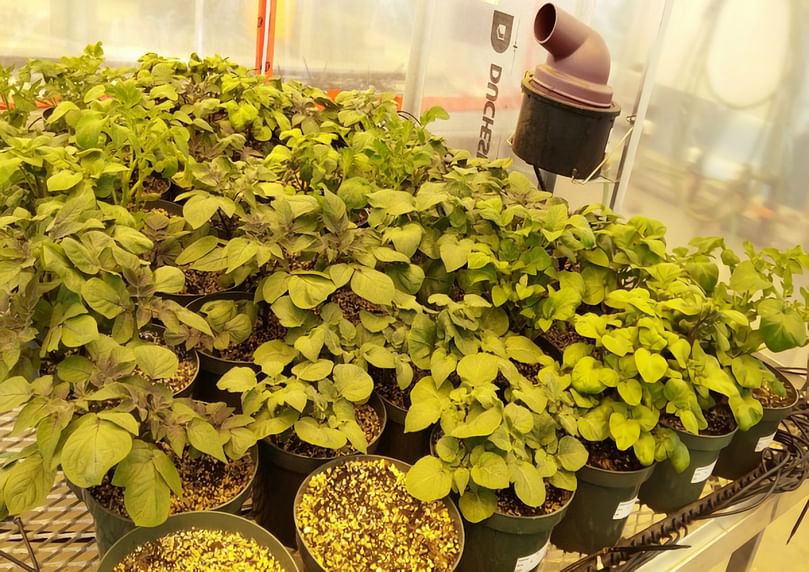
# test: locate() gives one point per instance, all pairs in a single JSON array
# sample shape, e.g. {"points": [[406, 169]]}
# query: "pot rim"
{"points": [[204, 519], [454, 512], [614, 472], [788, 384], [383, 417], [253, 451], [558, 511]]}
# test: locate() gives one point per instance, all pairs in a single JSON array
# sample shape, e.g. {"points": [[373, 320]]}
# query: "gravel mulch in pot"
{"points": [[186, 370], [199, 283], [200, 550], [606, 455], [267, 328], [156, 185], [207, 483], [770, 400], [351, 304], [555, 498], [528, 370], [368, 420], [359, 516]]}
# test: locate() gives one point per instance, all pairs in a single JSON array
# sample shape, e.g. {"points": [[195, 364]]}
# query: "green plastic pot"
{"points": [[280, 476], [504, 543], [597, 514], [667, 490], [310, 564], [745, 451], [407, 447], [206, 520], [212, 367], [111, 526]]}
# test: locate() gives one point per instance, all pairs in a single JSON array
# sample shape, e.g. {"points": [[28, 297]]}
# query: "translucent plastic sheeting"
{"points": [[346, 44], [128, 28], [725, 144], [726, 141]]}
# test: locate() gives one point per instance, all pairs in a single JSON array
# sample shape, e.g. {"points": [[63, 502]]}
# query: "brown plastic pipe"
{"points": [[578, 64]]}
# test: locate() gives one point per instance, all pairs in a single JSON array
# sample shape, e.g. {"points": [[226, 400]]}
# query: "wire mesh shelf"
{"points": [[62, 535]]}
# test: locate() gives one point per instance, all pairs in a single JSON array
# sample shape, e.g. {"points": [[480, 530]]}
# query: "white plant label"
{"points": [[530, 562], [624, 509], [764, 442], [702, 473]]}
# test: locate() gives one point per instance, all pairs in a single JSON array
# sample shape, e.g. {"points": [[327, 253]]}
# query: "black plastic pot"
{"points": [[504, 543], [281, 474], [407, 447], [111, 526], [212, 367], [596, 516], [200, 520], [549, 348], [561, 135], [172, 208], [309, 562], [667, 490], [745, 451]]}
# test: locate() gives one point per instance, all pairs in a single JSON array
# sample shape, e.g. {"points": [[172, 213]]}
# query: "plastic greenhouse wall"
{"points": [[128, 28]]}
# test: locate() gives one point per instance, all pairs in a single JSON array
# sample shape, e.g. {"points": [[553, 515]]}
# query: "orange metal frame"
{"points": [[262, 11]]}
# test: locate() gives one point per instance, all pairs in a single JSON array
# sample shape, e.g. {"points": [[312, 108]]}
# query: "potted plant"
{"points": [[619, 430], [760, 296], [333, 529], [323, 409], [499, 448], [196, 539], [88, 365], [128, 442]]}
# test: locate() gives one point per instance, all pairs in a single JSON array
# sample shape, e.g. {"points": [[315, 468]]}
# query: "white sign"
{"points": [[624, 508], [702, 473], [530, 562], [764, 442]]}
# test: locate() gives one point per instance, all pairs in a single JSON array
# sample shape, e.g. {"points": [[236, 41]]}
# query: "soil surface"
{"points": [[267, 328], [360, 217], [297, 263], [368, 420], [198, 283], [606, 455], [351, 304], [456, 294], [770, 400], [509, 503], [152, 184], [200, 550], [528, 370], [359, 516], [720, 421], [186, 370], [207, 483]]}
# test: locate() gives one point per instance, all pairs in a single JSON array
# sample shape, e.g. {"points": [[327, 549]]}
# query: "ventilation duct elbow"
{"points": [[578, 64]]}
